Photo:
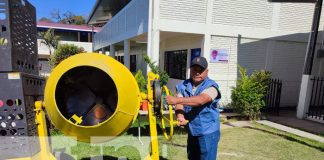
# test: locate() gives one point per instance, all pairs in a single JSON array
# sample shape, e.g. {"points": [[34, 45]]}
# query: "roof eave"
{"points": [[93, 10]]}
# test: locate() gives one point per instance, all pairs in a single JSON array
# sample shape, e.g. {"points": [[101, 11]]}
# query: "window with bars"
{"points": [[175, 63], [120, 59]]}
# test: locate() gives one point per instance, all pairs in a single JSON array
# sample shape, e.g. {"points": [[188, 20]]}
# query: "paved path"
{"points": [[292, 130], [288, 118]]}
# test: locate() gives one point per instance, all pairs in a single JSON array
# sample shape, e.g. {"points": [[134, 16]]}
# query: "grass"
{"points": [[262, 142], [255, 142]]}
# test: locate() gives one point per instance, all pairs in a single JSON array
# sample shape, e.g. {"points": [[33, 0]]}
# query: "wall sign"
{"points": [[218, 55]]}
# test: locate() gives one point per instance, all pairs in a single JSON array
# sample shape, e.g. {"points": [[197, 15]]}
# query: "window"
{"points": [[120, 59], [133, 63], [175, 63], [84, 37]]}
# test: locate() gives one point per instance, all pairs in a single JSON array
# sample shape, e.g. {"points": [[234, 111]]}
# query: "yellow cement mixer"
{"points": [[93, 95]]}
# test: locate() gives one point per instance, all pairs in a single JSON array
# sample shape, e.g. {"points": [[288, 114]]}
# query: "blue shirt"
{"points": [[203, 119]]}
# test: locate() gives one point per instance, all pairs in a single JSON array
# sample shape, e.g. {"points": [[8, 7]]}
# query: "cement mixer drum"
{"points": [[92, 97]]}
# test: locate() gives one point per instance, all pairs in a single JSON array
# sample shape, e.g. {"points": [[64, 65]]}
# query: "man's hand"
{"points": [[181, 120], [171, 100]]}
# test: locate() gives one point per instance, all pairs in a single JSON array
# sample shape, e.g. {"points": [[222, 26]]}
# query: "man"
{"points": [[196, 101]]}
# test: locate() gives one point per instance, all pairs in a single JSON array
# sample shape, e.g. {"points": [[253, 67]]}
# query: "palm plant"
{"points": [[50, 39]]}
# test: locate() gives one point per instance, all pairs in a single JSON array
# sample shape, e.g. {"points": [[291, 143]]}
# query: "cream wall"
{"points": [[225, 74], [274, 37], [284, 59], [43, 50], [185, 41]]}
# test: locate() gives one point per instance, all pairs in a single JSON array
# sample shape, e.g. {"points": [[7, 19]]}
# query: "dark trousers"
{"points": [[203, 147]]}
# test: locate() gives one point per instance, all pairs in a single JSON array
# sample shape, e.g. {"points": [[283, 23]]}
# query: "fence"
{"points": [[272, 98], [316, 106]]}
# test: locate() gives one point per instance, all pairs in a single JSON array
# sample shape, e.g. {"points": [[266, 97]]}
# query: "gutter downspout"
{"points": [[92, 36], [312, 39]]}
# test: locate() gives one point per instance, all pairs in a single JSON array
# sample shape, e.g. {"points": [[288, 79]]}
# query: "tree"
{"points": [[50, 39], [64, 51], [56, 14], [141, 81], [44, 19], [78, 20], [67, 17]]}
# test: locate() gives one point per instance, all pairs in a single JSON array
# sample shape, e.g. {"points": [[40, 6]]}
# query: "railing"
{"points": [[272, 98], [316, 106]]}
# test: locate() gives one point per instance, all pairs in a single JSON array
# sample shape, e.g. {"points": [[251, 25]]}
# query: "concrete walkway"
{"points": [[286, 121], [288, 118], [292, 130]]}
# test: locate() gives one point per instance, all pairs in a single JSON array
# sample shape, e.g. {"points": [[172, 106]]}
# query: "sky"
{"points": [[78, 7]]}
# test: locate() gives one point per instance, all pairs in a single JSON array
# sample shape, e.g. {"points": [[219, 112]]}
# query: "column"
{"points": [[79, 37], [126, 53], [103, 50], [112, 51], [304, 96]]}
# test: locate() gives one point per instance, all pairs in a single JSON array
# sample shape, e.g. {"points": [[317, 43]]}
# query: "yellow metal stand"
{"points": [[45, 150], [152, 118], [42, 132]]}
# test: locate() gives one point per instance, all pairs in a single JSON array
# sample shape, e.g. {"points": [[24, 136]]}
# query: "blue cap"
{"points": [[200, 61]]}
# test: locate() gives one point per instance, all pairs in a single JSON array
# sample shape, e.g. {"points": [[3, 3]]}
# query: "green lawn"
{"points": [[261, 142], [255, 142]]}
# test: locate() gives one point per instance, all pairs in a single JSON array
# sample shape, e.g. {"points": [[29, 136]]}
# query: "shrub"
{"points": [[141, 81], [164, 77], [64, 51], [248, 95], [262, 79]]}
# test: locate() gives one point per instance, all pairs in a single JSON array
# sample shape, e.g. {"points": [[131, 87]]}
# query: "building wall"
{"points": [[257, 34], [242, 13], [225, 74], [187, 42], [87, 46], [43, 50], [252, 54], [285, 59], [189, 10]]}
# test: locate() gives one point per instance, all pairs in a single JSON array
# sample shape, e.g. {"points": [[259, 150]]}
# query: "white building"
{"points": [[78, 35], [256, 34]]}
